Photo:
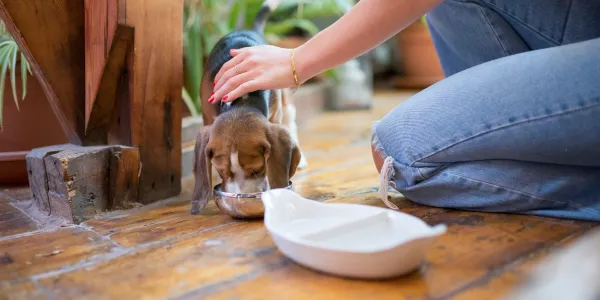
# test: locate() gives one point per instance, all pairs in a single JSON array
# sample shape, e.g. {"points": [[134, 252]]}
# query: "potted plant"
{"points": [[24, 125], [417, 57]]}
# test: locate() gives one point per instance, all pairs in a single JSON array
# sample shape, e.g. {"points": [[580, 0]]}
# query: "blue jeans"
{"points": [[515, 125]]}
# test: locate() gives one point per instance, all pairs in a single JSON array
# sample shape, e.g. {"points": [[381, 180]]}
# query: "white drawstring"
{"points": [[387, 172]]}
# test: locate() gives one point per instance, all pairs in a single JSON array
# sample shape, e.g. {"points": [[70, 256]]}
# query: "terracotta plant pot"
{"points": [[33, 126], [419, 61]]}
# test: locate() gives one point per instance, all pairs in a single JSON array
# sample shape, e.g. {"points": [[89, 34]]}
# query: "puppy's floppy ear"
{"points": [[202, 170], [282, 156]]}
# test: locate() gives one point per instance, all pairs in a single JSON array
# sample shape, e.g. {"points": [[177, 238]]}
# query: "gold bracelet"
{"points": [[294, 70]]}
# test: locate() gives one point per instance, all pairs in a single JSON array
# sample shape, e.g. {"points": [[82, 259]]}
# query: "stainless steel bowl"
{"points": [[241, 206]]}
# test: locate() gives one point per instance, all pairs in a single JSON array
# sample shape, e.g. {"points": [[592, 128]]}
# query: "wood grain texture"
{"points": [[12, 220], [96, 45], [77, 182], [107, 93], [164, 252], [21, 290], [17, 193], [193, 260], [38, 177], [512, 275], [155, 88], [124, 172], [39, 253], [50, 33], [100, 25]]}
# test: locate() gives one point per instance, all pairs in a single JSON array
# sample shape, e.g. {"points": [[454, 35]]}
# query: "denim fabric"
{"points": [[515, 127], [467, 33]]}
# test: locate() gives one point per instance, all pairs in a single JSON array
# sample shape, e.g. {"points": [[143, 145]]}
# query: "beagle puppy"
{"points": [[252, 142]]}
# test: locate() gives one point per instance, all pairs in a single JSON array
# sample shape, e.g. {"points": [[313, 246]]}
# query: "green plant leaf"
{"points": [[193, 68], [284, 27], [344, 5], [189, 102], [251, 10], [13, 72], [323, 8], [236, 15], [24, 73], [332, 74], [9, 51], [272, 39], [3, 66]]}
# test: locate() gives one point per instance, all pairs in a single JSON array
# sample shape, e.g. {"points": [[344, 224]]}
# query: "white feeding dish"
{"points": [[348, 240]]}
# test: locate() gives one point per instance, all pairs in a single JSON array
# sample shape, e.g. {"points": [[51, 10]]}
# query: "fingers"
{"points": [[235, 52], [236, 60], [232, 75], [237, 70], [244, 88], [234, 71], [224, 92], [228, 66]]}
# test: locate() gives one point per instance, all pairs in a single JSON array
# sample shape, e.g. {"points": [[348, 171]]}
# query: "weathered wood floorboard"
{"points": [[161, 251]]}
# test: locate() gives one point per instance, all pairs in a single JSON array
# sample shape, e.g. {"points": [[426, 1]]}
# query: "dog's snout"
{"points": [[240, 183]]}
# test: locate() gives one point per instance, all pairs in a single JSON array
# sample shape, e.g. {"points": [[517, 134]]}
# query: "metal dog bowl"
{"points": [[241, 206]]}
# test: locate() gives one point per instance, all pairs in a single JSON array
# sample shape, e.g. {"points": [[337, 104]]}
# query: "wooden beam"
{"points": [[50, 33], [101, 19], [155, 88], [76, 183], [146, 113], [101, 114], [124, 178], [38, 180]]}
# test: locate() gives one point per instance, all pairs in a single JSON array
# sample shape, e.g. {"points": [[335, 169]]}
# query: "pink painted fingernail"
{"points": [[214, 84], [212, 93], [211, 99], [225, 98]]}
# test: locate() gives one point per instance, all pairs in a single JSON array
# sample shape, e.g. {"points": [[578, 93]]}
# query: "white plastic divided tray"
{"points": [[349, 240]]}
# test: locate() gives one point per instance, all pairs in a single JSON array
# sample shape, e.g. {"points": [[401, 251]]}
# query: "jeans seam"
{"points": [[413, 168], [565, 112], [525, 24], [420, 174], [487, 19], [524, 193], [564, 30]]}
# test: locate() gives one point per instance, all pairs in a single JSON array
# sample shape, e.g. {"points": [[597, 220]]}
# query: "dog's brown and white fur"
{"points": [[252, 142]]}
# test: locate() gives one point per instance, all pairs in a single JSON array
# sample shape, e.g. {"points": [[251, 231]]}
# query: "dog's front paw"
{"points": [[196, 207]]}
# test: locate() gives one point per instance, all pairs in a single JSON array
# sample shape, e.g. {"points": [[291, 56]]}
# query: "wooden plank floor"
{"points": [[161, 251]]}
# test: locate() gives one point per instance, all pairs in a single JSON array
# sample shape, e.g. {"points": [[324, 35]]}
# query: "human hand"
{"points": [[251, 69]]}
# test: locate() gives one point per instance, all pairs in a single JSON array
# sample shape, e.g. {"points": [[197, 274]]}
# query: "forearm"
{"points": [[366, 25]]}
